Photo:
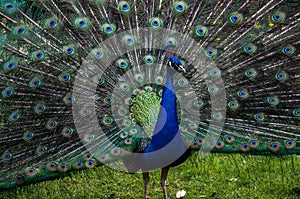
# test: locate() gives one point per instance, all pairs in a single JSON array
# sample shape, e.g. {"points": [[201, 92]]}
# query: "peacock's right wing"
{"points": [[43, 45]]}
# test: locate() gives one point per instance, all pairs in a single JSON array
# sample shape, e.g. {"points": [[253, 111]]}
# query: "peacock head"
{"points": [[176, 64]]}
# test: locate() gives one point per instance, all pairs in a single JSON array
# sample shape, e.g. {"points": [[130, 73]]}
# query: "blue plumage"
{"points": [[167, 127]]}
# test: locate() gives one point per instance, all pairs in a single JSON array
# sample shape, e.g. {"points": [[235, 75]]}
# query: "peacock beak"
{"points": [[181, 68]]}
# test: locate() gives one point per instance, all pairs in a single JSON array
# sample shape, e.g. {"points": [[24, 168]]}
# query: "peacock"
{"points": [[141, 85]]}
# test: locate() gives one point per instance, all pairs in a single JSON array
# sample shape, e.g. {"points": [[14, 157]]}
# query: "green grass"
{"points": [[215, 176]]}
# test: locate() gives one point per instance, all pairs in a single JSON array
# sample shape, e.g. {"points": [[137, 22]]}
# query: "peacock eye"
{"points": [[82, 23], [70, 50], [251, 73], [129, 40], [125, 87], [180, 6], [281, 76], [149, 59], [19, 30], [200, 142], [133, 131], [274, 147], [69, 99], [139, 77], [52, 23], [250, 49], [273, 100], [27, 136], [8, 92], [15, 116], [201, 31], [219, 145], [38, 55], [170, 41], [289, 144], [9, 6], [107, 120], [20, 178], [36, 83], [233, 105], [278, 17], [79, 165], [67, 132], [6, 156], [236, 18], [259, 117], [123, 135], [89, 137], [122, 63], [90, 164], [51, 124], [39, 108], [100, 80], [124, 6], [288, 50], [211, 52], [296, 112], [243, 94], [108, 100], [156, 22], [244, 147], [213, 89], [108, 28], [41, 150], [9, 65], [182, 82]]}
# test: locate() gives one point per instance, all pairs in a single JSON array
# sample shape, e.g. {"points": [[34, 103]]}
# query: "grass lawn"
{"points": [[215, 176]]}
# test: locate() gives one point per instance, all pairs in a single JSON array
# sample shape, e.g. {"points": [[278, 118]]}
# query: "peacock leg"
{"points": [[163, 179], [146, 179]]}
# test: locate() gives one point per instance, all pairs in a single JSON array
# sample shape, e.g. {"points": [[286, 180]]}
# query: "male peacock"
{"points": [[84, 83]]}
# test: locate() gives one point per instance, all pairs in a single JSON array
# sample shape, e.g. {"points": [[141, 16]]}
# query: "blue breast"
{"points": [[166, 136]]}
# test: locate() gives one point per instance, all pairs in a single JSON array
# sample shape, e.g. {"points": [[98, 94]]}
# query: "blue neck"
{"points": [[167, 122]]}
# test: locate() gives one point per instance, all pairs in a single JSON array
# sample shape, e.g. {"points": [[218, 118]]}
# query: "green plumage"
{"points": [[54, 52]]}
